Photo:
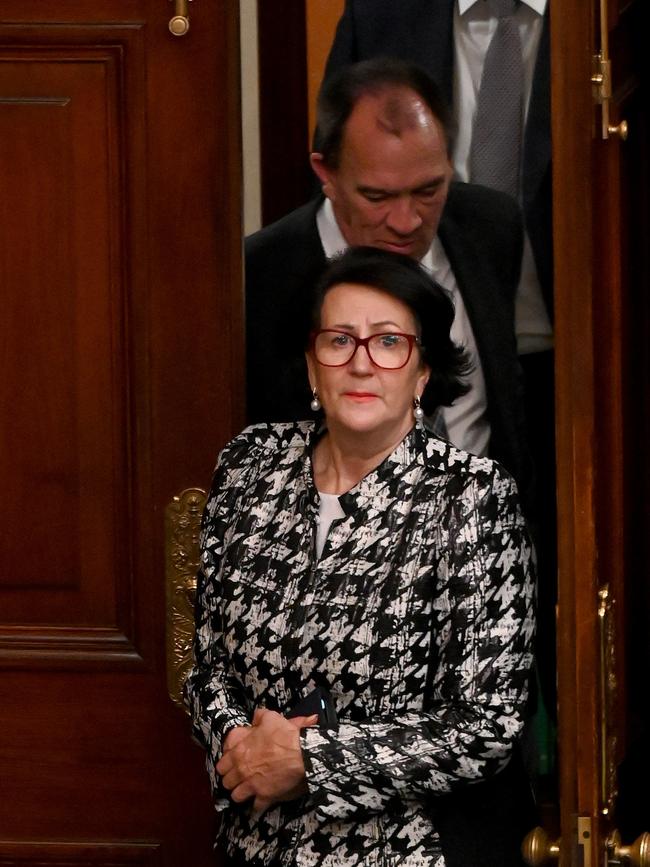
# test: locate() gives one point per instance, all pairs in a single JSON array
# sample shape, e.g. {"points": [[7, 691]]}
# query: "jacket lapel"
{"points": [[537, 145]]}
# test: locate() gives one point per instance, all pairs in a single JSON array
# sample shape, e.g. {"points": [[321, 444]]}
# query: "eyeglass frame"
{"points": [[413, 340]]}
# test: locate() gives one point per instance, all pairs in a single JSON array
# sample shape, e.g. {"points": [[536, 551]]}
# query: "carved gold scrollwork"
{"points": [[182, 527]]}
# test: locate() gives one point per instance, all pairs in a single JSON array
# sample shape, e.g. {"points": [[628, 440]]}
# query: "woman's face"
{"points": [[359, 396]]}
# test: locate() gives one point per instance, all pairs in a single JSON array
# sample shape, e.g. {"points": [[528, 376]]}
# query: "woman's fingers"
{"points": [[243, 791], [235, 736], [303, 722], [266, 762]]}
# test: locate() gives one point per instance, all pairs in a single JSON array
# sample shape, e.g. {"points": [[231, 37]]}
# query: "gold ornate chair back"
{"points": [[182, 526]]}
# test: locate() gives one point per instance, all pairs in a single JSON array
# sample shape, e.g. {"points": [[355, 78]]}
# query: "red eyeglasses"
{"points": [[390, 350]]}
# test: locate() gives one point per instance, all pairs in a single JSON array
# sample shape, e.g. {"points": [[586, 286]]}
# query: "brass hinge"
{"points": [[601, 78], [584, 839]]}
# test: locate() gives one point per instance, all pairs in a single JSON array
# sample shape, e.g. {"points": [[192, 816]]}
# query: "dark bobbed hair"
{"points": [[340, 94], [403, 278]]}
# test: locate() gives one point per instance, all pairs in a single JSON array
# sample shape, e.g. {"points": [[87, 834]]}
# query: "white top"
{"points": [[467, 423], [474, 26], [330, 510]]}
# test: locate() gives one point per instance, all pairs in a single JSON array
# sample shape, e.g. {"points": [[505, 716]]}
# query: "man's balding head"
{"points": [[383, 161], [375, 77]]}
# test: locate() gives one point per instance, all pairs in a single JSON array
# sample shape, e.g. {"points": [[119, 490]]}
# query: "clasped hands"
{"points": [[264, 760]]}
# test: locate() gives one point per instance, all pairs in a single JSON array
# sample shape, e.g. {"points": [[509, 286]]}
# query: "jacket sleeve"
{"points": [[483, 624], [215, 698]]}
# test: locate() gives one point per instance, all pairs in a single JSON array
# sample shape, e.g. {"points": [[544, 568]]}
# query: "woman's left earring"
{"points": [[418, 412], [315, 403]]}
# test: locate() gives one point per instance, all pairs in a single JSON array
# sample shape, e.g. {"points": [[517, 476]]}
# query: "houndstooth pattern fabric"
{"points": [[431, 567]]}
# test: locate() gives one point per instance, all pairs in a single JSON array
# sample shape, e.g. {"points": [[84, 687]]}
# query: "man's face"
{"points": [[389, 190]]}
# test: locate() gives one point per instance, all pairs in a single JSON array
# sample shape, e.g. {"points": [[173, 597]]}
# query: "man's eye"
{"points": [[374, 197]]}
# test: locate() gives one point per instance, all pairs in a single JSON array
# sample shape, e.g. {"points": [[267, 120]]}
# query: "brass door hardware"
{"points": [[608, 702], [601, 79], [638, 854], [584, 839], [182, 558], [620, 130], [537, 849], [180, 23]]}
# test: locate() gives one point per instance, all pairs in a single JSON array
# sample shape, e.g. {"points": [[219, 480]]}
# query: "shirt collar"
{"points": [[538, 6], [330, 234]]}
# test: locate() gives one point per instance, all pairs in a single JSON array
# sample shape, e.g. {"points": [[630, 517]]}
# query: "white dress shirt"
{"points": [[466, 421], [474, 26]]}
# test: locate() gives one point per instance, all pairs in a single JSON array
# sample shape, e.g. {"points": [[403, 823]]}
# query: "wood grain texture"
{"points": [[120, 267], [286, 176], [102, 854], [599, 397]]}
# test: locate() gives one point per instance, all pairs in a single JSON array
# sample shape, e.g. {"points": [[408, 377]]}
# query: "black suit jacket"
{"points": [[422, 32], [481, 232]]}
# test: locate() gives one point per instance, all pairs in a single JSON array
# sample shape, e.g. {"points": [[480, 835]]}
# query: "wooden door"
{"points": [[121, 351], [601, 211]]}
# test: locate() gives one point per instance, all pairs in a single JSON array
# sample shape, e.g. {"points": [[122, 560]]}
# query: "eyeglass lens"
{"points": [[336, 348]]}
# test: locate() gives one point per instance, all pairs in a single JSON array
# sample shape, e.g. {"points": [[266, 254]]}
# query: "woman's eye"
{"points": [[341, 340], [389, 340]]}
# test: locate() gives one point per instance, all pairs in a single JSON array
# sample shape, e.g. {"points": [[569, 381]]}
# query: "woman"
{"points": [[371, 559]]}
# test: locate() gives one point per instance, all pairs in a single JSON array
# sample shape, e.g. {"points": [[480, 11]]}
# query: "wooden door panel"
{"points": [[121, 353], [66, 580], [79, 855], [97, 757], [601, 198]]}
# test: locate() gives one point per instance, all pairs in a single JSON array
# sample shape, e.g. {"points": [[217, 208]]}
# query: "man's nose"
{"points": [[403, 216]]}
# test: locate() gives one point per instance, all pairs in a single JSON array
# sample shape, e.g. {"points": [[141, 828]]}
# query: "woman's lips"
{"points": [[361, 396]]}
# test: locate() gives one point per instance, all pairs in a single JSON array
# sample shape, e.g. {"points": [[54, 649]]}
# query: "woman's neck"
{"points": [[341, 459]]}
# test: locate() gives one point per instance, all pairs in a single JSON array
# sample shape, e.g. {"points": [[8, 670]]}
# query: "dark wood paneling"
{"points": [[287, 180], [600, 194], [120, 254], [79, 854], [67, 382]]}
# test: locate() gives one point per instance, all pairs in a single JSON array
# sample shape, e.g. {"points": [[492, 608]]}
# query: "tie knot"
{"points": [[504, 8]]}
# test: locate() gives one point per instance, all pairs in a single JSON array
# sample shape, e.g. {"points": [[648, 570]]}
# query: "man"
{"points": [[458, 43], [386, 177], [450, 40]]}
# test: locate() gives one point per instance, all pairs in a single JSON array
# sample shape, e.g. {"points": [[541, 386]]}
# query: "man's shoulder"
{"points": [[472, 202], [296, 227], [487, 221]]}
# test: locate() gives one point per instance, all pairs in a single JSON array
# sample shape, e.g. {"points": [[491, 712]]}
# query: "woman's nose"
{"points": [[360, 361]]}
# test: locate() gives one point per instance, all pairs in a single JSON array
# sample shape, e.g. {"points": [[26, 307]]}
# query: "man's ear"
{"points": [[322, 173]]}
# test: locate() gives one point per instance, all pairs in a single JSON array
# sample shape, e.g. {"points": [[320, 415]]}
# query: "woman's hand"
{"points": [[264, 761]]}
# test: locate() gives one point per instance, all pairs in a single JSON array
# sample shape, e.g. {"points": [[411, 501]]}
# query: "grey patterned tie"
{"points": [[496, 141]]}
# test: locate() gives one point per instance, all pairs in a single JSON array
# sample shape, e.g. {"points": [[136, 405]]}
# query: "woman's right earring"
{"points": [[418, 412], [315, 403]]}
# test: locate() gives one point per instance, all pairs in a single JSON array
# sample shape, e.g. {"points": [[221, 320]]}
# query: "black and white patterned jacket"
{"points": [[429, 570]]}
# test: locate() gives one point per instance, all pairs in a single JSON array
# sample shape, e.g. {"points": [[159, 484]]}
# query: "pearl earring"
{"points": [[418, 412], [315, 403]]}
